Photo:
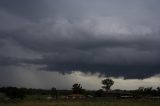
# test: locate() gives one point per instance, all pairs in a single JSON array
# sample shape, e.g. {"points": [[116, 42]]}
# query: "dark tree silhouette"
{"points": [[107, 84], [99, 93], [77, 88], [54, 93], [158, 89], [13, 92]]}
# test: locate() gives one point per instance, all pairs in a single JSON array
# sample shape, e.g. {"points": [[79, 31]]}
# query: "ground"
{"points": [[91, 102]]}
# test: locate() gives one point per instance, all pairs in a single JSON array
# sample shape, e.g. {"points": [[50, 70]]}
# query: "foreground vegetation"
{"points": [[92, 102], [13, 96]]}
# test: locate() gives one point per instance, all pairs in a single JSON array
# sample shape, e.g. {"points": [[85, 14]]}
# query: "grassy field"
{"points": [[87, 103]]}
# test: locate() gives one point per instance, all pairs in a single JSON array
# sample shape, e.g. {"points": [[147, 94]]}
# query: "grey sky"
{"points": [[110, 37]]}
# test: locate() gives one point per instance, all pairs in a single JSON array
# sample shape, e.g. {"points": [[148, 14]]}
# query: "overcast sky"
{"points": [[46, 43]]}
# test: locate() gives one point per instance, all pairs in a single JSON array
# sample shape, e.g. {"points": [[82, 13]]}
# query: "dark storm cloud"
{"points": [[110, 37], [8, 61], [27, 9]]}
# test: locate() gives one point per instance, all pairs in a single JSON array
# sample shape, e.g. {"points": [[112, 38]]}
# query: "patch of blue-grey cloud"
{"points": [[111, 37]]}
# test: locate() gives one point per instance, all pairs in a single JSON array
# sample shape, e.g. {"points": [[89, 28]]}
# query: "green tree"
{"points": [[107, 84], [77, 88]]}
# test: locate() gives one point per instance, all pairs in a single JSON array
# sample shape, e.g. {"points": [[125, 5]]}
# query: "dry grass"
{"points": [[88, 103]]}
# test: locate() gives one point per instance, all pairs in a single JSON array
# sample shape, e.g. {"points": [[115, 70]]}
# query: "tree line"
{"points": [[14, 92]]}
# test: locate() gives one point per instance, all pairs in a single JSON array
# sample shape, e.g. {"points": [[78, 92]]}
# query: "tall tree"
{"points": [[107, 84], [77, 88]]}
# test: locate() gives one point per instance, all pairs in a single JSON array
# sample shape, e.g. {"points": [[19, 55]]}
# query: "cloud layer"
{"points": [[109, 37]]}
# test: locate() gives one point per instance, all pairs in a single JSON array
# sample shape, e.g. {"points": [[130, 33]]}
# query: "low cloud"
{"points": [[66, 47]]}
